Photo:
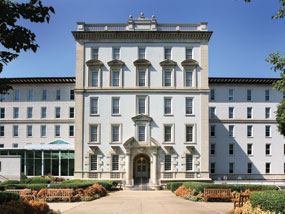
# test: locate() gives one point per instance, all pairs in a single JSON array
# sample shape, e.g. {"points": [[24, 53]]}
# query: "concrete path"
{"points": [[142, 202]]}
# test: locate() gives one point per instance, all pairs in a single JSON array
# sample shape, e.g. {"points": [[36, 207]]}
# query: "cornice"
{"points": [[189, 62], [143, 90], [102, 35], [94, 63], [248, 121], [168, 62], [142, 62], [116, 62]]}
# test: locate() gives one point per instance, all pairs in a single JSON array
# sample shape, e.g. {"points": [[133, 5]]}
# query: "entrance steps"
{"points": [[141, 184]]}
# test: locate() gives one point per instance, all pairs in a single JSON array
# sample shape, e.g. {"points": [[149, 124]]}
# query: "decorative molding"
{"points": [[42, 121], [116, 62], [149, 35], [142, 117], [146, 90], [248, 121], [168, 62], [94, 63], [142, 63], [190, 63]]}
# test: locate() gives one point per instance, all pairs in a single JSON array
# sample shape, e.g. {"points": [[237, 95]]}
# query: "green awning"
{"points": [[59, 142]]}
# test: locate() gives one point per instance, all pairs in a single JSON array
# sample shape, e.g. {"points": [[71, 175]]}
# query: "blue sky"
{"points": [[244, 34]]}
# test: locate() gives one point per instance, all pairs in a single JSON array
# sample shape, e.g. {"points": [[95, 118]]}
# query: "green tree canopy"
{"points": [[15, 38]]}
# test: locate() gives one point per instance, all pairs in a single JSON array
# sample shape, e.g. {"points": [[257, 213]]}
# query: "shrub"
{"points": [[37, 180], [168, 185], [183, 191], [8, 196], [173, 186], [272, 201], [17, 207], [95, 189], [40, 207], [9, 182]]}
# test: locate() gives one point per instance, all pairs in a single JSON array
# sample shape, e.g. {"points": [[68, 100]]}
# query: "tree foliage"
{"points": [[280, 117], [14, 37]]}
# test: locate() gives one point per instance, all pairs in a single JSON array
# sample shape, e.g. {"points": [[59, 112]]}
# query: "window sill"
{"points": [[116, 115], [268, 155], [249, 136], [168, 115], [212, 136], [93, 143], [71, 136], [190, 115], [115, 143], [189, 143], [168, 143], [94, 115], [268, 137]]}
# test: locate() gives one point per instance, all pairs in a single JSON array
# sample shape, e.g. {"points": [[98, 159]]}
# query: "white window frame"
{"points": [[145, 77], [212, 95], [29, 127], [171, 76], [213, 149], [95, 107], [172, 133], [187, 54], [233, 131], [192, 105], [191, 163], [71, 129], [145, 133], [145, 97], [231, 112], [29, 112], [45, 112], [116, 55], [2, 131], [193, 133], [57, 131], [119, 132], [249, 95], [71, 113], [187, 71], [249, 113], [166, 113], [268, 144], [112, 106], [269, 164], [268, 126], [267, 112], [91, 83], [249, 130], [117, 163], [213, 112], [267, 95], [168, 166], [2, 113], [112, 78], [249, 149], [231, 148], [95, 163], [15, 130], [231, 96], [212, 131], [58, 94], [15, 113], [167, 55], [44, 94], [57, 114], [45, 128], [142, 55], [92, 55], [98, 129]]}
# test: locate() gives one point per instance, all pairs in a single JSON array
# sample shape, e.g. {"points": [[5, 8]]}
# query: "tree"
{"points": [[17, 38]]}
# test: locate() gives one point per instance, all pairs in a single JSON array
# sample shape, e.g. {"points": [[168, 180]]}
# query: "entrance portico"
{"points": [[141, 162]]}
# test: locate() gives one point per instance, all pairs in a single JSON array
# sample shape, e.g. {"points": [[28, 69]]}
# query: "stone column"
{"points": [[154, 170], [128, 170]]}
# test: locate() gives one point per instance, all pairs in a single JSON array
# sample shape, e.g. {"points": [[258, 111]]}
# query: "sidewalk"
{"points": [[142, 202]]}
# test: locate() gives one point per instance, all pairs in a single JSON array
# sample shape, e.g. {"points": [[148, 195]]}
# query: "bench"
{"points": [[59, 193], [217, 193], [240, 201], [23, 193]]}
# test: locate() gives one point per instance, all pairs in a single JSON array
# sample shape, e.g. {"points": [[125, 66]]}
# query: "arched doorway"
{"points": [[141, 168]]}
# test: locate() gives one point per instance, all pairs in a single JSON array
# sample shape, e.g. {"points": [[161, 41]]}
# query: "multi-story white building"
{"points": [[145, 111], [142, 101], [37, 123]]}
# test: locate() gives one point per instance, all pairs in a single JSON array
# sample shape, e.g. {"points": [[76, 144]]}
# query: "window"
{"points": [[188, 78], [58, 95], [231, 168], [188, 53], [94, 53], [31, 95], [248, 96], [267, 95], [167, 105], [116, 53], [17, 95], [249, 112], [267, 131], [167, 163], [71, 94], [43, 112], [231, 131], [212, 131], [141, 134], [95, 78], [15, 112], [212, 149], [249, 168], [231, 112], [189, 162], [44, 94], [71, 131], [1, 145], [15, 131], [93, 133], [212, 112], [2, 112], [189, 133], [141, 105], [29, 112], [249, 149], [167, 53], [167, 133], [267, 168], [115, 133], [249, 131], [189, 105], [43, 131], [57, 131], [115, 78], [267, 112], [231, 149], [29, 131], [141, 78], [115, 162], [141, 53], [231, 94], [2, 131], [268, 149], [115, 105], [71, 112], [212, 95], [94, 105], [93, 162], [57, 112], [167, 78], [213, 167], [15, 145]]}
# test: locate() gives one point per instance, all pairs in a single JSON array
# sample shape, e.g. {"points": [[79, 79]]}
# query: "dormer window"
{"points": [[141, 53]]}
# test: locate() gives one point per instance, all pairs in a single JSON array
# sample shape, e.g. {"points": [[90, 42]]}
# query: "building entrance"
{"points": [[141, 169]]}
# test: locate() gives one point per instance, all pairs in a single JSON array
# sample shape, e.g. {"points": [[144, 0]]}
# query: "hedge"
{"points": [[9, 182], [199, 186], [36, 180], [273, 201], [64, 185], [8, 196]]}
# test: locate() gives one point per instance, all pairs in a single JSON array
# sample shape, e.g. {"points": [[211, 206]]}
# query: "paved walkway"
{"points": [[142, 202]]}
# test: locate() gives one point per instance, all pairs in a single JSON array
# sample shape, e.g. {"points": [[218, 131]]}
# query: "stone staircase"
{"points": [[141, 184]]}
